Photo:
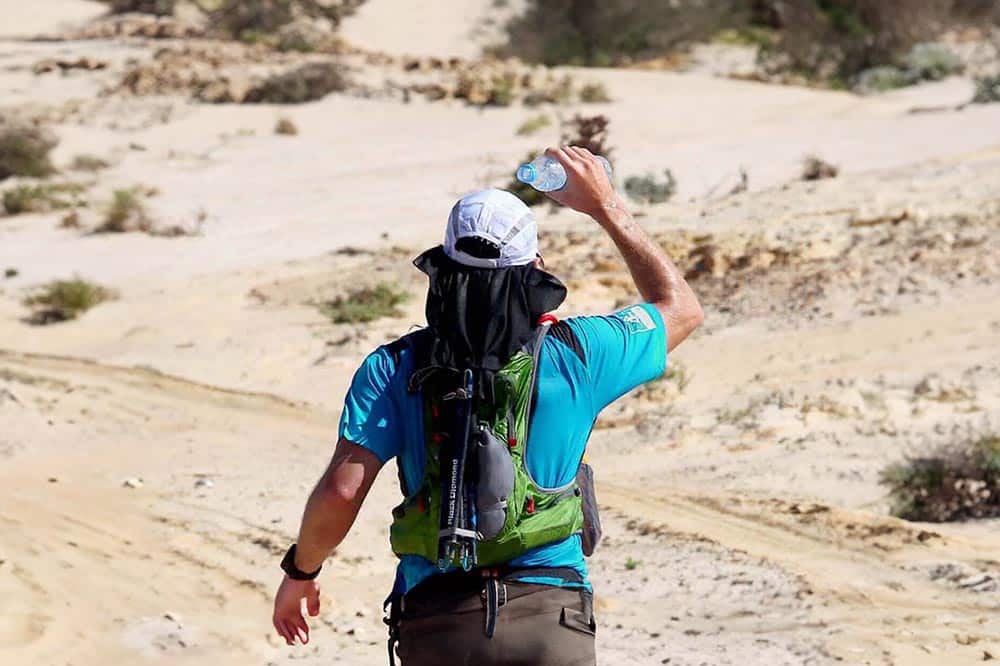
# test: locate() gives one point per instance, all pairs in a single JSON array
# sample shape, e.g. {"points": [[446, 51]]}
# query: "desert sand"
{"points": [[155, 454]]}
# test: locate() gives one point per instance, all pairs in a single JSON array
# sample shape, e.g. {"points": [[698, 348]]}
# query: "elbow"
{"points": [[334, 491]]}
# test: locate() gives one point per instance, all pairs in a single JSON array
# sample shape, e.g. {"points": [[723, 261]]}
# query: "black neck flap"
{"points": [[480, 317]]}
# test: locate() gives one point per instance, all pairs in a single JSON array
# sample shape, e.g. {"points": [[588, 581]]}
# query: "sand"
{"points": [[155, 454]]}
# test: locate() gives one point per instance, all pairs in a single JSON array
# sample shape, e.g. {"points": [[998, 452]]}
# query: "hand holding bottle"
{"points": [[588, 187]]}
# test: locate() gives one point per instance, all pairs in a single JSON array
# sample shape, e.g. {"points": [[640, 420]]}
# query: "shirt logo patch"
{"points": [[636, 319]]}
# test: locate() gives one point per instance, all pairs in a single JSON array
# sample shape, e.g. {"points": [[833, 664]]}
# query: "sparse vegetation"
{"points": [[632, 564], [64, 300], [953, 483], [533, 124], [41, 198], [647, 189], [70, 220], [157, 7], [987, 90], [820, 40], [305, 83], [924, 62], [10, 273], [590, 132], [366, 304], [24, 151], [286, 127], [88, 163], [815, 168], [594, 93], [126, 212]]}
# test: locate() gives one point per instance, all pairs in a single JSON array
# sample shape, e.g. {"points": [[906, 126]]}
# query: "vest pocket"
{"points": [[496, 483]]}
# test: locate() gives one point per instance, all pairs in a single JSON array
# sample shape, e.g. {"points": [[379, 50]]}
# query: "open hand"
{"points": [[587, 189], [288, 619]]}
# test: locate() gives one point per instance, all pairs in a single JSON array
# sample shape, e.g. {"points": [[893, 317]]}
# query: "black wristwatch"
{"points": [[288, 566]]}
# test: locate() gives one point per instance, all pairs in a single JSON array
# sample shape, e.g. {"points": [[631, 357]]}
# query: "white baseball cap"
{"points": [[505, 225]]}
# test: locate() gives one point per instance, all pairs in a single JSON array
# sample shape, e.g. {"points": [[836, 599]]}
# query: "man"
{"points": [[523, 597]]}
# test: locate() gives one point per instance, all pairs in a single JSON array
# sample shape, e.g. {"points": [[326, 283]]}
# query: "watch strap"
{"points": [[293, 572]]}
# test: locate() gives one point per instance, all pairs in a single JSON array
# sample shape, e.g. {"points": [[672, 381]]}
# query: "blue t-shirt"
{"points": [[615, 354]]}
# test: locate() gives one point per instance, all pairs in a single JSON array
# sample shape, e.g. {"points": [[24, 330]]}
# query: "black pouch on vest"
{"points": [[591, 517]]}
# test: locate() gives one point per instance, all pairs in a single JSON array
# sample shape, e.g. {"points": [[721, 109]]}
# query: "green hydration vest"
{"points": [[514, 514]]}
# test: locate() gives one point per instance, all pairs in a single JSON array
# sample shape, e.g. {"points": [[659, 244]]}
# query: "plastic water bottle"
{"points": [[547, 174]]}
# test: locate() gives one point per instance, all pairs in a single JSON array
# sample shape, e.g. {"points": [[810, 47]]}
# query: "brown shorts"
{"points": [[536, 625]]}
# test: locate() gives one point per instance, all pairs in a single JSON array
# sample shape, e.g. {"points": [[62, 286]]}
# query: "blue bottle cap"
{"points": [[526, 173]]}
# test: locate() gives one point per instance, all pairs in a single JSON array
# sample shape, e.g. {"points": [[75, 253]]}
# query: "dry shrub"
{"points": [[590, 132], [533, 124], [157, 7], [815, 168], [594, 93], [41, 198], [24, 151], [64, 300], [84, 162], [588, 32], [305, 83], [987, 90], [647, 189], [836, 39], [953, 483], [126, 212], [827, 39], [366, 304], [286, 127]]}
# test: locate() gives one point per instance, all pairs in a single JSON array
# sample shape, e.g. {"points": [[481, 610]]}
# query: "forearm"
{"points": [[334, 503], [325, 522], [657, 278]]}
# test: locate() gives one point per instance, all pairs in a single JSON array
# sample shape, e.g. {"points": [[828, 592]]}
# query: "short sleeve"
{"points": [[370, 412], [621, 350]]}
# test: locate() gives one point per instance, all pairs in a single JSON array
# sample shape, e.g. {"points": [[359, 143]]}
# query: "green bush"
{"points": [[126, 212], [931, 62], [286, 126], [880, 79], [953, 483], [365, 304], [816, 168], [85, 162], [533, 124], [594, 93], [63, 300], [41, 198], [158, 7], [305, 83], [987, 90], [24, 151], [647, 189]]}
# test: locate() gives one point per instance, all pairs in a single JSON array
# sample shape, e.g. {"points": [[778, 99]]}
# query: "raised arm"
{"points": [[328, 516], [658, 280]]}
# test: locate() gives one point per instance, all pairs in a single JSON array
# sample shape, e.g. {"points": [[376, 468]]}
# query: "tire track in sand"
{"points": [[868, 573]]}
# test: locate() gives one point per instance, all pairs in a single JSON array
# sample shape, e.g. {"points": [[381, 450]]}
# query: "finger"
{"points": [[287, 633], [301, 628], [573, 152], [312, 602], [559, 154], [583, 154]]}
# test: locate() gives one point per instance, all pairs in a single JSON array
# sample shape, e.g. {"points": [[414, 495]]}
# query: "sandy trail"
{"points": [[746, 523], [851, 561]]}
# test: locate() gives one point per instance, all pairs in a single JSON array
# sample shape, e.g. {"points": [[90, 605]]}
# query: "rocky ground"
{"points": [[156, 451]]}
